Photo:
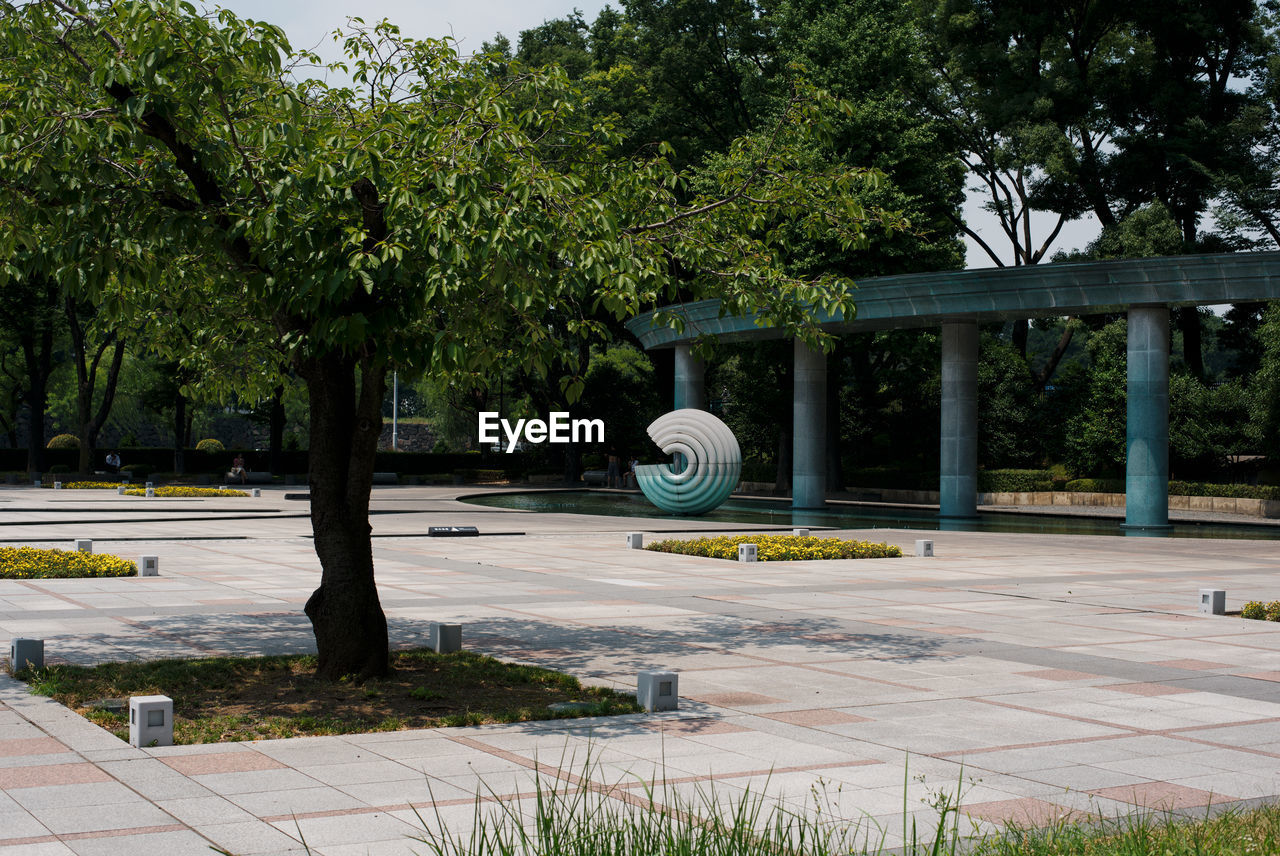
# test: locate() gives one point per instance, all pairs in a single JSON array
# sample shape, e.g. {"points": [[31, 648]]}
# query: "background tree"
{"points": [[92, 340], [33, 320]]}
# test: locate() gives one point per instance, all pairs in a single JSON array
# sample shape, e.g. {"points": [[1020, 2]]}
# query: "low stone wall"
{"points": [[1267, 508]]}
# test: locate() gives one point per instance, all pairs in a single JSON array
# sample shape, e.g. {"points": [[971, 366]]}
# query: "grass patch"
{"points": [[226, 699], [1247, 832], [31, 563], [777, 548], [576, 816], [183, 490]]}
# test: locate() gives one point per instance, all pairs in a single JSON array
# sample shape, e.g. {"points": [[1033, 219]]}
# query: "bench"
{"points": [[251, 477]]}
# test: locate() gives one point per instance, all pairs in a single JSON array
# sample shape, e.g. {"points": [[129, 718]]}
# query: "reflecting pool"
{"points": [[764, 512]]}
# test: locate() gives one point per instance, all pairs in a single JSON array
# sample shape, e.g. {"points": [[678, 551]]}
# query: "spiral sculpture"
{"points": [[712, 463]]}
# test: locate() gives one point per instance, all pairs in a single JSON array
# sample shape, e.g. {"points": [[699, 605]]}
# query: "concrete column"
{"points": [[1147, 462], [958, 477], [809, 429], [690, 380]]}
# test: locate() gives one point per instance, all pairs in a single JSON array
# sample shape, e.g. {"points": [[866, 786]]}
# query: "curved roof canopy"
{"points": [[997, 294]]}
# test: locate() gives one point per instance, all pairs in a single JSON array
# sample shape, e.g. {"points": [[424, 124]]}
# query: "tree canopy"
{"points": [[429, 217]]}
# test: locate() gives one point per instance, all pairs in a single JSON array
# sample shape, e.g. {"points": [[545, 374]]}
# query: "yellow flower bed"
{"points": [[86, 485], [180, 490], [1260, 611], [778, 548], [30, 563]]}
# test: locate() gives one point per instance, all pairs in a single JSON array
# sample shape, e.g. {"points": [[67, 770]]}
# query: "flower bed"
{"points": [[1260, 611], [85, 485], [30, 563], [182, 490], [778, 548]]}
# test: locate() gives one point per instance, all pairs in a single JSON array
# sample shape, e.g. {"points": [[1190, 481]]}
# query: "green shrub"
{"points": [[59, 469], [1014, 481], [759, 471], [64, 441], [476, 475], [891, 478], [1096, 485], [210, 445], [137, 470], [777, 548], [30, 563], [1255, 609]]}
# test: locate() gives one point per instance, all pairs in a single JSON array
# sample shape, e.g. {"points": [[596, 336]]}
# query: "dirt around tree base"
{"points": [[227, 699]]}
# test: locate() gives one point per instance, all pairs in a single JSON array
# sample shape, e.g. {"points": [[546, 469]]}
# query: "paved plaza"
{"points": [[1039, 674]]}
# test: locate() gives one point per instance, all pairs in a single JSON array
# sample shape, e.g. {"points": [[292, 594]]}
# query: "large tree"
{"points": [[427, 218], [33, 321], [1068, 107]]}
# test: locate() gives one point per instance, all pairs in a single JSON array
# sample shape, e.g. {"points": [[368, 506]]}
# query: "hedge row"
{"points": [[1241, 491], [1014, 481], [1183, 488], [1095, 486], [142, 462]]}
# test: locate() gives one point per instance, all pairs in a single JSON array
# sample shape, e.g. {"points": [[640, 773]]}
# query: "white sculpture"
{"points": [[712, 463]]}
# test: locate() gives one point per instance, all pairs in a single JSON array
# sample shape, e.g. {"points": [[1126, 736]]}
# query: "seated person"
{"points": [[113, 462], [237, 470]]}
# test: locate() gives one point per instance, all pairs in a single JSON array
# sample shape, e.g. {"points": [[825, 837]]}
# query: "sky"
{"points": [[308, 24]]}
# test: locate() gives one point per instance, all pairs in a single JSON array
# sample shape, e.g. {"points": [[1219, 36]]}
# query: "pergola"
{"points": [[957, 301]]}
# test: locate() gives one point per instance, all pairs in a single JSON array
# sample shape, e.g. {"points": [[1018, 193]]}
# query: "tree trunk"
{"points": [[1041, 379], [179, 423], [90, 422], [275, 460], [572, 463], [37, 350], [346, 420], [1021, 329]]}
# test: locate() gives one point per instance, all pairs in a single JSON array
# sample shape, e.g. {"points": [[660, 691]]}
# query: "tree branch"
{"points": [[372, 213], [977, 239]]}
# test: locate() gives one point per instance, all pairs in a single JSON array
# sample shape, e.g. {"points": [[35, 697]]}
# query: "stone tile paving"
{"points": [[1043, 675]]}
